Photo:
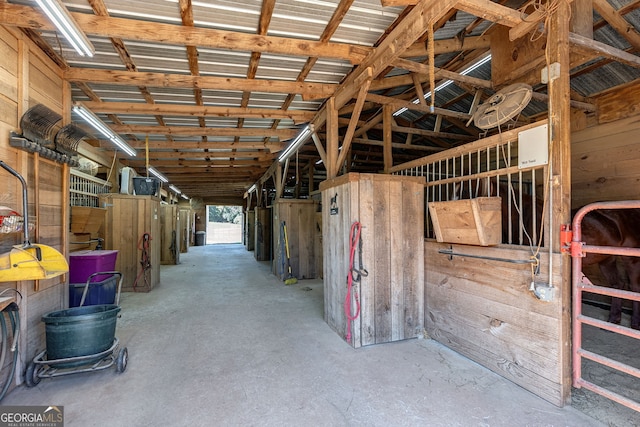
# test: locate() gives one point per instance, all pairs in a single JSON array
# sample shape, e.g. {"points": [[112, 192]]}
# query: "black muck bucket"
{"points": [[80, 331]]}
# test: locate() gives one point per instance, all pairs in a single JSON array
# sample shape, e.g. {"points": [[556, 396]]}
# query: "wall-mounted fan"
{"points": [[502, 106]]}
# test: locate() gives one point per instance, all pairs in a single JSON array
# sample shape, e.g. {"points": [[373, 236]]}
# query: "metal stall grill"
{"points": [[582, 284], [85, 189], [487, 167]]}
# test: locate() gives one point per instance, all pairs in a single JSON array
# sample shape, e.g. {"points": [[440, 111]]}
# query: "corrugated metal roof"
{"points": [[363, 25]]}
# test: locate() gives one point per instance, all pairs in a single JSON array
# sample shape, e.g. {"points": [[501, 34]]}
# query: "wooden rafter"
{"points": [[189, 110]]}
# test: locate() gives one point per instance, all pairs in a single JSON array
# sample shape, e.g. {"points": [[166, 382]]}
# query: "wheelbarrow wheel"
{"points": [[31, 377], [121, 361]]}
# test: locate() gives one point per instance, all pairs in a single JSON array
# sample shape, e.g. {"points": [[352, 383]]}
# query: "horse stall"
{"points": [[606, 288], [132, 226], [249, 229], [493, 289], [169, 234], [262, 234], [295, 220], [373, 257]]}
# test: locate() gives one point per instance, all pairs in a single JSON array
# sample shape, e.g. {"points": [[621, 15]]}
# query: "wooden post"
{"points": [[387, 123], [560, 163], [332, 139], [582, 18], [312, 168]]}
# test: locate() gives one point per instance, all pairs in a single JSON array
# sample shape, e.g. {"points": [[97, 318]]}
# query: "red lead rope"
{"points": [[354, 238]]}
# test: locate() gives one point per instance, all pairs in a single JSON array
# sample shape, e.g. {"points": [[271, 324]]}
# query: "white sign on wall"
{"points": [[533, 147]]}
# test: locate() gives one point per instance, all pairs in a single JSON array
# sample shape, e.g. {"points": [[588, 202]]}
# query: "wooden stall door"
{"points": [[128, 219], [169, 235]]}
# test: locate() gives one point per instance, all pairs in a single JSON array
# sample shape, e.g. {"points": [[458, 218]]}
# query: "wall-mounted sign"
{"points": [[533, 147]]}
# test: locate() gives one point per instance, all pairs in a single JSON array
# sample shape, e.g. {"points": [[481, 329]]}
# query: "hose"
{"points": [[14, 316]]}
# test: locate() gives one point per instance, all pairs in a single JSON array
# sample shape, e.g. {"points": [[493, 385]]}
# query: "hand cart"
{"points": [[80, 339]]}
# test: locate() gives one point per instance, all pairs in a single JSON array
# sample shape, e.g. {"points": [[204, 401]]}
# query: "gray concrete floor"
{"points": [[221, 341]]}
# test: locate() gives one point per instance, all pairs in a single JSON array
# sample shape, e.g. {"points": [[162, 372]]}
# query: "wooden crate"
{"points": [[471, 221], [390, 210], [87, 220], [128, 219], [169, 235]]}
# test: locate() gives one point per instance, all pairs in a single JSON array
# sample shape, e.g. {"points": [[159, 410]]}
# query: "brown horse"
{"points": [[620, 228]]}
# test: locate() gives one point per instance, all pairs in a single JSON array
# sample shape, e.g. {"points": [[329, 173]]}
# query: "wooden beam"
{"points": [[133, 29], [213, 163], [194, 155], [621, 25], [132, 78], [273, 147], [449, 46], [560, 163], [387, 137], [332, 138], [319, 147], [397, 146], [417, 67], [494, 12], [400, 39], [281, 134], [355, 116], [399, 103], [188, 110], [431, 133], [605, 50]]}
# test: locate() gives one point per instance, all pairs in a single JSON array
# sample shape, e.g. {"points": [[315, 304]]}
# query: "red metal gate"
{"points": [[581, 284]]}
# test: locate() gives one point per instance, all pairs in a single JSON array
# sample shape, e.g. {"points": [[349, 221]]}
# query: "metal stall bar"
{"points": [[581, 284]]}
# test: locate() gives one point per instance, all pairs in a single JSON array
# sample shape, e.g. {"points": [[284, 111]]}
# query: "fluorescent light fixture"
{"points": [[174, 188], [101, 127], [64, 22], [296, 143], [251, 189], [157, 174], [319, 162], [184, 196], [483, 60]]}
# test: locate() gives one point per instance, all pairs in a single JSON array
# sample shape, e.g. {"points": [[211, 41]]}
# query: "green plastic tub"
{"points": [[80, 331]]}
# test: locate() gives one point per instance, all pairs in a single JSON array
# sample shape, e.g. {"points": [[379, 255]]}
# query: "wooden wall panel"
{"points": [[484, 310], [390, 209], [22, 73], [45, 86], [605, 161]]}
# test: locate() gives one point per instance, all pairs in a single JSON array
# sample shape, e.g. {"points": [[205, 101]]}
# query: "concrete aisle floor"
{"points": [[221, 341]]}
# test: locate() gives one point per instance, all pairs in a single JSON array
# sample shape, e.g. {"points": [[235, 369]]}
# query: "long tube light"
{"points": [[157, 174], [296, 143], [101, 127], [174, 188], [483, 60], [69, 28], [184, 196]]}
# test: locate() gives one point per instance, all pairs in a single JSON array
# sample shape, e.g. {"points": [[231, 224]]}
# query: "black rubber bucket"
{"points": [[80, 331]]}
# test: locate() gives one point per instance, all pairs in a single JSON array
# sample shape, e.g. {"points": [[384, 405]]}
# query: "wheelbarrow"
{"points": [[80, 339]]}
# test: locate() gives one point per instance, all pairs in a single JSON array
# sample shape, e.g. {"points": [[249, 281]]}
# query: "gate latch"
{"points": [[567, 245]]}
